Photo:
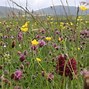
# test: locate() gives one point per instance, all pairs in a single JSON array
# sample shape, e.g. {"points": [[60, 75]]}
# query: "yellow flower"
{"points": [[83, 8], [71, 23], [24, 28], [78, 48], [35, 42], [79, 17], [61, 23], [51, 19], [48, 38], [38, 59], [60, 39], [86, 21]]}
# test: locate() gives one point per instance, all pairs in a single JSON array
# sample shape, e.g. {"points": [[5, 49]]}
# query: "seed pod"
{"points": [[13, 44]]}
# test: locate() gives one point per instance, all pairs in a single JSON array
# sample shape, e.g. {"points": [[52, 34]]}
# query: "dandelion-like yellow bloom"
{"points": [[83, 8], [48, 38], [35, 42], [24, 28], [38, 59]]}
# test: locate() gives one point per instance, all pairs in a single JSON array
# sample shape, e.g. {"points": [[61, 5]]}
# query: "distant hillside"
{"points": [[59, 10], [5, 11], [56, 10]]}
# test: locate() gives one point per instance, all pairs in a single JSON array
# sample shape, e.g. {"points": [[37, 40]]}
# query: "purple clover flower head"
{"points": [[84, 72], [22, 57], [54, 45], [38, 36], [17, 87], [43, 31], [57, 47], [84, 33], [20, 36], [18, 75], [42, 37], [5, 37], [50, 77], [57, 32], [42, 43], [70, 67], [33, 47]]}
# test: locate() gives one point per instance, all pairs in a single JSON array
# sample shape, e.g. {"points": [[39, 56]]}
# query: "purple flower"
{"points": [[33, 47], [42, 31], [22, 57], [17, 87], [5, 37], [56, 47], [57, 32], [38, 36], [17, 75], [20, 36], [50, 77], [85, 74], [84, 33], [66, 68], [42, 43], [27, 64]]}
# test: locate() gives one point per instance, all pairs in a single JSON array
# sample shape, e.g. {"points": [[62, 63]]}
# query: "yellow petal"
{"points": [[24, 29], [83, 8], [48, 38], [38, 59], [35, 42]]}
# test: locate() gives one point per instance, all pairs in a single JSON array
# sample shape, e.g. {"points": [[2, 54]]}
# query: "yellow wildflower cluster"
{"points": [[24, 28], [79, 18], [62, 25], [35, 42], [83, 8], [48, 38]]}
